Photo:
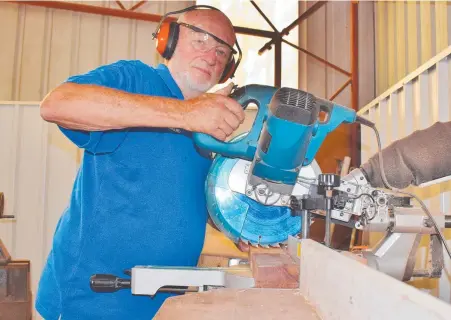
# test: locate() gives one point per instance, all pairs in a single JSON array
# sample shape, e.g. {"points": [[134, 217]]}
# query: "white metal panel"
{"points": [[37, 168], [414, 103]]}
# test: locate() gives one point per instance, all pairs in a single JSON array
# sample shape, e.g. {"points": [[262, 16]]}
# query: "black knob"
{"points": [[108, 283], [329, 180]]}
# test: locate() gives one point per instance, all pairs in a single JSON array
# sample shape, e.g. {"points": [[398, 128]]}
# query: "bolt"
{"points": [[348, 190], [341, 214]]}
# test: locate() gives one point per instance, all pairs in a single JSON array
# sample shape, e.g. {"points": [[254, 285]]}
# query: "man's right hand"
{"points": [[213, 113]]}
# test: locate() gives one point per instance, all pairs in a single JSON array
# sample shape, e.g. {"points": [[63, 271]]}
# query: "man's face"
{"points": [[199, 60]]}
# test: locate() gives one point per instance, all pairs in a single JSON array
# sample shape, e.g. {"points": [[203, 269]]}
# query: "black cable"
{"points": [[364, 194]]}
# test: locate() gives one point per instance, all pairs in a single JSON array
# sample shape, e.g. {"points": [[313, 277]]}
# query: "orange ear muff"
{"points": [[167, 39], [229, 71]]}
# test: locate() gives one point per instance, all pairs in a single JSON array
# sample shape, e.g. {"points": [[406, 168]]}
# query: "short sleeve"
{"points": [[118, 76]]}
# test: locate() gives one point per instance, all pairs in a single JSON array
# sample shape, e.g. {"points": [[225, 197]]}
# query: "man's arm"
{"points": [[98, 108], [423, 156]]}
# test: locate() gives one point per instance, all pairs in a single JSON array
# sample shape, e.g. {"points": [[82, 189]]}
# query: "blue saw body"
{"points": [[279, 148]]}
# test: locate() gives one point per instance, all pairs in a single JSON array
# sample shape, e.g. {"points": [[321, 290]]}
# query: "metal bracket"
{"points": [[147, 280]]}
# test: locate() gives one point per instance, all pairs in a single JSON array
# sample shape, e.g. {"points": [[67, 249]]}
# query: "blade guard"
{"points": [[244, 148]]}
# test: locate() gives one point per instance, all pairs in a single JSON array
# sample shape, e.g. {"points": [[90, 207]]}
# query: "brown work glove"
{"points": [[423, 156]]}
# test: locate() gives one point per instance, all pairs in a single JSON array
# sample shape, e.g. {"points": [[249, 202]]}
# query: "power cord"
{"points": [[384, 179]]}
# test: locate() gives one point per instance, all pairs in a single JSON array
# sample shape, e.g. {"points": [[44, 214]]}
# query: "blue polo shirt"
{"points": [[138, 199]]}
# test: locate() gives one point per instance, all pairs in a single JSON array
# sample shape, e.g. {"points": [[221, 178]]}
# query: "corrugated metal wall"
{"points": [[416, 102], [412, 39], [40, 49], [326, 33], [408, 33]]}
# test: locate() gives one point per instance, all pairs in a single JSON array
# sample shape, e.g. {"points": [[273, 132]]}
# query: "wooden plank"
{"points": [[391, 47], [441, 25], [412, 36], [401, 57], [274, 270], [349, 297], [225, 304], [218, 245], [425, 31], [381, 47]]}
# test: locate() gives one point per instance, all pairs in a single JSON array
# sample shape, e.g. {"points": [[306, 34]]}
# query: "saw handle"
{"points": [[108, 283], [336, 115], [244, 148]]}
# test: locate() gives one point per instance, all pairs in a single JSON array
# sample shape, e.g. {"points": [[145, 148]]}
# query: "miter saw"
{"points": [[265, 187], [252, 178]]}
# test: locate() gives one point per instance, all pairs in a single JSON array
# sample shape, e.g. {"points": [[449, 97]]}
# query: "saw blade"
{"points": [[243, 217]]}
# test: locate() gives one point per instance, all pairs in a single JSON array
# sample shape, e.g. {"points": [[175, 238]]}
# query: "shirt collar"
{"points": [[165, 74]]}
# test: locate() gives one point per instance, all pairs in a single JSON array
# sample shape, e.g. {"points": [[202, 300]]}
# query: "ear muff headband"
{"points": [[167, 34]]}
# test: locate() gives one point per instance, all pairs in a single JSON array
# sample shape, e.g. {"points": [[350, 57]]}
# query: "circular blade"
{"points": [[241, 217]]}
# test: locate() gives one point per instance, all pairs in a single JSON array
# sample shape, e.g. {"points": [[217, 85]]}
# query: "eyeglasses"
{"points": [[204, 41]]}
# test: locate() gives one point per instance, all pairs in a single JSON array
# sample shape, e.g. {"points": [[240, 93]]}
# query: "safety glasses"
{"points": [[204, 41]]}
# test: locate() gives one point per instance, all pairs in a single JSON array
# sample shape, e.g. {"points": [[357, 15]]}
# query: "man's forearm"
{"points": [[96, 108], [420, 157]]}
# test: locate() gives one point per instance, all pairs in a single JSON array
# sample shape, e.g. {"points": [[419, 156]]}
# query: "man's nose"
{"points": [[210, 56]]}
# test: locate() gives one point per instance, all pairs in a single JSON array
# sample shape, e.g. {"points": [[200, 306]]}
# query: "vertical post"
{"points": [[355, 129], [277, 61]]}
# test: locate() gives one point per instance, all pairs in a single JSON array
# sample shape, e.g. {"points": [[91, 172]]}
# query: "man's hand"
{"points": [[214, 113]]}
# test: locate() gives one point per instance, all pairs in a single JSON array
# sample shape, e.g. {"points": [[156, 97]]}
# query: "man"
{"points": [[138, 198]]}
